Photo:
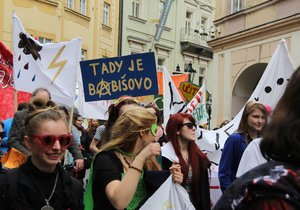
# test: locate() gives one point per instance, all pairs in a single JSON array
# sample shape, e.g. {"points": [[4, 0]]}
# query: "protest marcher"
{"points": [[125, 171], [103, 132], [7, 126], [84, 141], [275, 184], [160, 135], [16, 134], [41, 182], [96, 141], [15, 138], [93, 124], [224, 122], [252, 156], [251, 126], [181, 134]]}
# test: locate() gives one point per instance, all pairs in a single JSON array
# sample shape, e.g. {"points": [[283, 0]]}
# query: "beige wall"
{"points": [[53, 20], [229, 67], [108, 35], [253, 14], [247, 38]]}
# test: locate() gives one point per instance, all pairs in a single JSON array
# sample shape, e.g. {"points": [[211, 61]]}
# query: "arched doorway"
{"points": [[245, 85]]}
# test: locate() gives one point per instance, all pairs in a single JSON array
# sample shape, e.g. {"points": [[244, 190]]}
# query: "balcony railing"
{"points": [[197, 36]]}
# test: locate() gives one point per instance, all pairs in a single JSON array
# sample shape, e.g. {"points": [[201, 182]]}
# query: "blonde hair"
{"points": [[126, 131]]}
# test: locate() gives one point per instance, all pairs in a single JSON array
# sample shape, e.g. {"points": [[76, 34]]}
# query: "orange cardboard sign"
{"points": [[178, 78], [13, 159]]}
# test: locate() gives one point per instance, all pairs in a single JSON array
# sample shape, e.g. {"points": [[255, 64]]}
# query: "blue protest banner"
{"points": [[110, 78]]}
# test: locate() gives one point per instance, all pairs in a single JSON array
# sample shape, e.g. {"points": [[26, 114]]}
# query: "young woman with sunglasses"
{"points": [[119, 178], [251, 126], [181, 134], [41, 183], [103, 132]]}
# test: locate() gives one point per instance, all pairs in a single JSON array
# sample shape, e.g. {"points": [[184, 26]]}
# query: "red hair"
{"points": [[196, 156]]}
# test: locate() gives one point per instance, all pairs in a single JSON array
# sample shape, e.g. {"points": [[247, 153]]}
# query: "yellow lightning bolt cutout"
{"points": [[61, 64]]}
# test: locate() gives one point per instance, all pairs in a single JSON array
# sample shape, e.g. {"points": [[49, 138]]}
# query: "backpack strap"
{"points": [[12, 177]]}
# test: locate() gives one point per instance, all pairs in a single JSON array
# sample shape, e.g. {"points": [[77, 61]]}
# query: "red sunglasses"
{"points": [[49, 140]]}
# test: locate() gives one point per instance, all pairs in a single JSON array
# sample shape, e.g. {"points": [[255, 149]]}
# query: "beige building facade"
{"points": [[184, 37], [95, 21], [248, 32]]}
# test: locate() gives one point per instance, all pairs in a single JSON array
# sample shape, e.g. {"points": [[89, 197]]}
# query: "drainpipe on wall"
{"points": [[120, 33]]}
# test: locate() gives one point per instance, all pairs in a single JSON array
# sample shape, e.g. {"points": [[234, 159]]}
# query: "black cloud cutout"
{"points": [[30, 47]]}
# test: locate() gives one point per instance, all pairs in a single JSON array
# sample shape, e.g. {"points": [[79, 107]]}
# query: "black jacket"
{"points": [[33, 186]]}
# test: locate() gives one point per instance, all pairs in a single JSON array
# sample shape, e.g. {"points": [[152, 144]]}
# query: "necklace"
{"points": [[126, 161], [47, 206], [125, 153]]}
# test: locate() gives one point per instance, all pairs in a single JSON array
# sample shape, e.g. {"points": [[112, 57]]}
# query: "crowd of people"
{"points": [[131, 154]]}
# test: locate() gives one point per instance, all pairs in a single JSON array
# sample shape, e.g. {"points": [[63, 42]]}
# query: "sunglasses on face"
{"points": [[2, 134], [153, 129], [49, 140], [189, 125]]}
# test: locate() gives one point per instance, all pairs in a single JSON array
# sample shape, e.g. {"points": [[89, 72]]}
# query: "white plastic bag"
{"points": [[170, 196]]}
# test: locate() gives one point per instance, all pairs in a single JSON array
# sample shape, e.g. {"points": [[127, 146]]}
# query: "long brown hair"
{"points": [[250, 107], [196, 156]]}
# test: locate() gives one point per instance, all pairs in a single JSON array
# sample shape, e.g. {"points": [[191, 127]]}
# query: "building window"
{"points": [[204, 22], [203, 29], [135, 8], [83, 55], [163, 57], [136, 47], [106, 14], [70, 4], [44, 40], [160, 63], [236, 5], [188, 22], [201, 75], [83, 7], [201, 80]]}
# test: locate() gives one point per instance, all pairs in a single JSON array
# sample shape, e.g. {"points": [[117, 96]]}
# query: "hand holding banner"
{"points": [[169, 196]]}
